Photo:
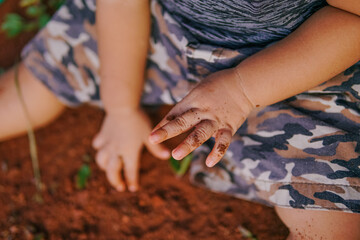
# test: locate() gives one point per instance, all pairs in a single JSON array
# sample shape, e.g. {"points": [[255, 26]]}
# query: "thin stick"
{"points": [[30, 133]]}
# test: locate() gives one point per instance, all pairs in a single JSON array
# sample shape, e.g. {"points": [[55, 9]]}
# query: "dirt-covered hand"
{"points": [[216, 107], [119, 144]]}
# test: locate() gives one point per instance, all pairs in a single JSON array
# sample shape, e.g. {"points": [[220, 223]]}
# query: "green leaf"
{"points": [[26, 3], [35, 11], [83, 176], [13, 24], [43, 20], [55, 4], [174, 164], [180, 167], [30, 26]]}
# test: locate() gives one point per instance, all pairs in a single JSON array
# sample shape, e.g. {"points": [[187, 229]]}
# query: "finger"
{"points": [[203, 131], [158, 150], [98, 141], [131, 171], [101, 159], [176, 125], [222, 143], [171, 115], [113, 170]]}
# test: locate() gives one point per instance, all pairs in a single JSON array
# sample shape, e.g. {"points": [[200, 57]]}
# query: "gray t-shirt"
{"points": [[241, 23]]}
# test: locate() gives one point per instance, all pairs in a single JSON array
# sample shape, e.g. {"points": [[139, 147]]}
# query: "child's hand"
{"points": [[216, 107], [119, 144]]}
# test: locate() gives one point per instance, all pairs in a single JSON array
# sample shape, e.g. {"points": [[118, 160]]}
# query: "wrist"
{"points": [[238, 92], [242, 86], [120, 96]]}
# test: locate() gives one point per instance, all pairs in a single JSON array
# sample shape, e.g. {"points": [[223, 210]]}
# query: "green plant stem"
{"points": [[180, 167], [82, 176], [30, 133]]}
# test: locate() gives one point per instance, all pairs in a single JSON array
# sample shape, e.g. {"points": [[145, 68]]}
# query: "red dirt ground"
{"points": [[166, 207]]}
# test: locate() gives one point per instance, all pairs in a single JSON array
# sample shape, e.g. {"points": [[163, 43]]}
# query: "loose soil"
{"points": [[166, 207]]}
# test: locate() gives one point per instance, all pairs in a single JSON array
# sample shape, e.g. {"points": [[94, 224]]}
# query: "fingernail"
{"points": [[154, 138], [210, 162], [178, 154], [133, 188]]}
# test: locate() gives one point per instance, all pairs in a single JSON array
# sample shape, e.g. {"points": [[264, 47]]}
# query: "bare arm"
{"points": [[325, 45], [123, 35], [351, 6]]}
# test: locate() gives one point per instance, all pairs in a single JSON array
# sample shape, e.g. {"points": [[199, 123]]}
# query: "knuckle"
{"points": [[187, 145], [170, 117], [201, 133], [180, 122], [192, 111], [197, 138], [225, 134], [211, 124], [221, 148], [229, 129]]}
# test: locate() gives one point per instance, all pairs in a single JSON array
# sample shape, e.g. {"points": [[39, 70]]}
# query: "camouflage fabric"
{"points": [[299, 153]]}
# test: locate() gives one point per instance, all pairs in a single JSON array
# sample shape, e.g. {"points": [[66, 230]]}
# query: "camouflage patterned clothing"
{"points": [[299, 153]]}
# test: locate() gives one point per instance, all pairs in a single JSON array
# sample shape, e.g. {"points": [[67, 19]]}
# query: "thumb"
{"points": [[158, 150]]}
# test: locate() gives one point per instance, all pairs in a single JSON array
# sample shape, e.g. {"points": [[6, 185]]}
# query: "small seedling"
{"points": [[246, 233], [83, 176], [180, 167], [84, 172]]}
